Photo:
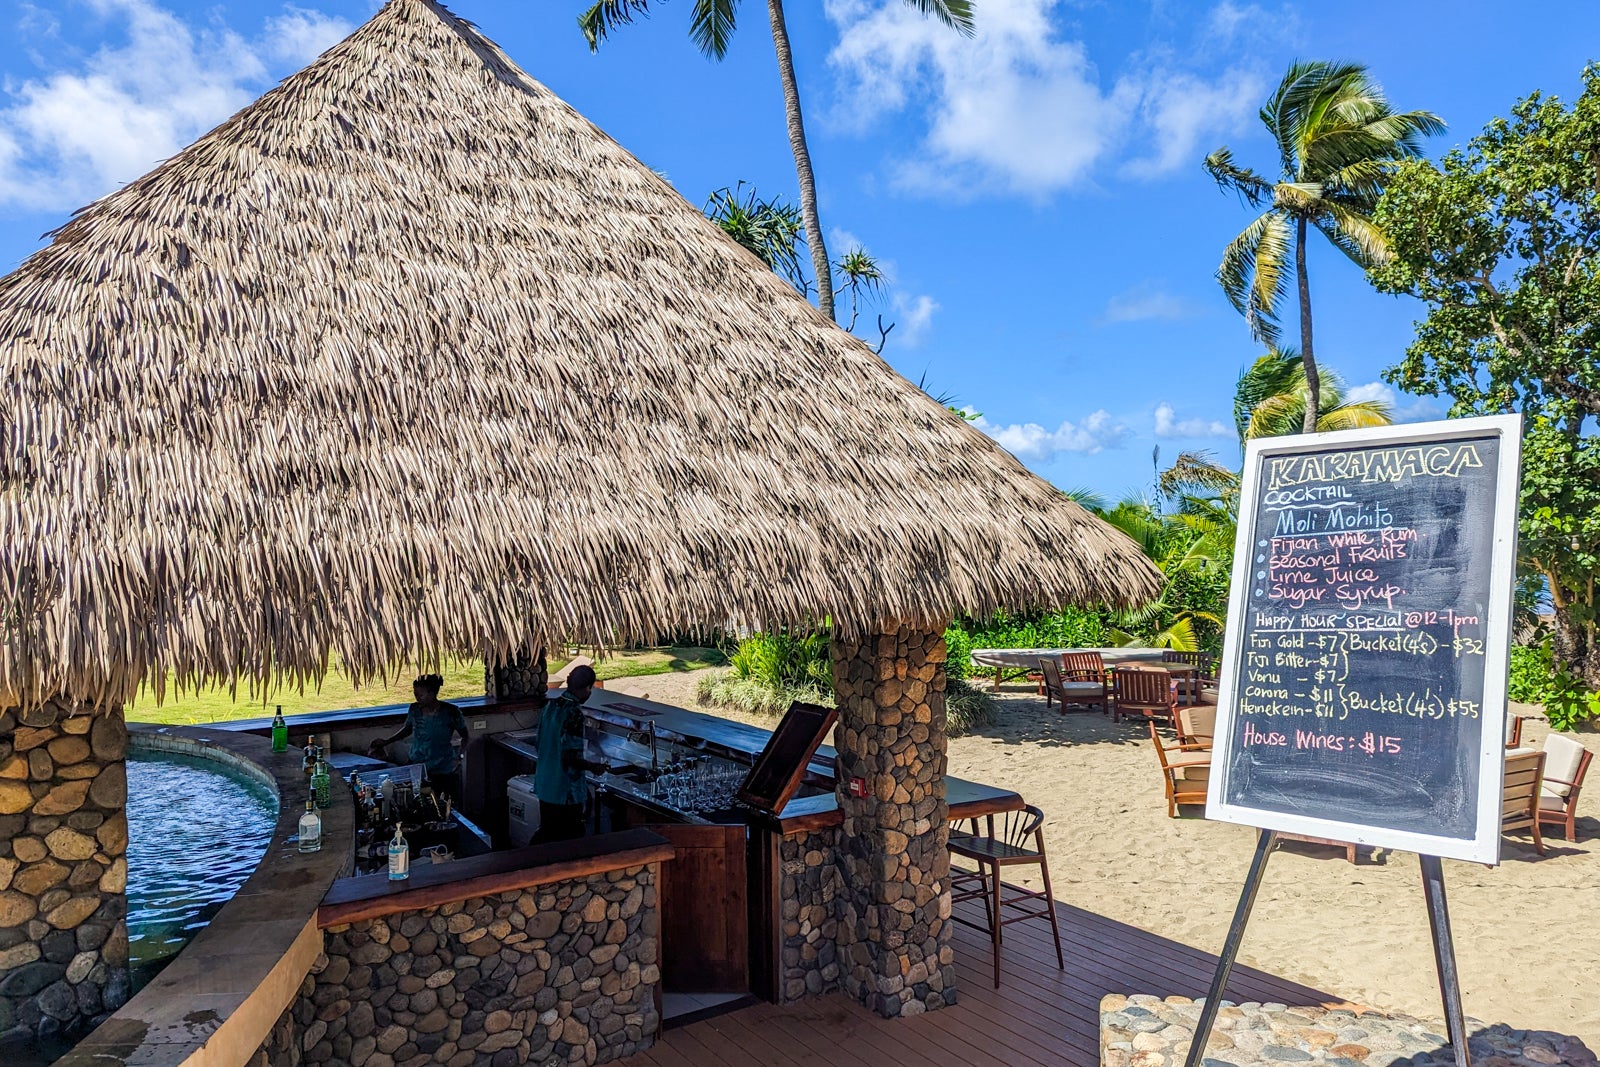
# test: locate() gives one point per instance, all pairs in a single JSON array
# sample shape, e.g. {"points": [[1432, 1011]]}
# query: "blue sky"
{"points": [[1036, 192]]}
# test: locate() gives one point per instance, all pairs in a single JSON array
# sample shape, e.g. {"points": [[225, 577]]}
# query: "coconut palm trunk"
{"points": [[1308, 360], [802, 159]]}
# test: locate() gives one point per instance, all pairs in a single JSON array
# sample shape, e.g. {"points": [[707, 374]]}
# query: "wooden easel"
{"points": [[1444, 953]]}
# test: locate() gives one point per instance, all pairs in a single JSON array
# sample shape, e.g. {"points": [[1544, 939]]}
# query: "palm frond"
{"points": [[606, 15], [711, 26], [1356, 415], [957, 14], [1254, 273], [1251, 187]]}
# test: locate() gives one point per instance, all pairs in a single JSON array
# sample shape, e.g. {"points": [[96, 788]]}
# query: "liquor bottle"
{"points": [[280, 732], [310, 828], [308, 758], [399, 857], [322, 784]]}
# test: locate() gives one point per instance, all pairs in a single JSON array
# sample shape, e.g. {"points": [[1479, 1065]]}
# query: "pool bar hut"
{"points": [[406, 360]]}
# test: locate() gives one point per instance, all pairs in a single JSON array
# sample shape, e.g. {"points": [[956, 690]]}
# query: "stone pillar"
{"points": [[63, 868], [894, 860], [521, 677]]}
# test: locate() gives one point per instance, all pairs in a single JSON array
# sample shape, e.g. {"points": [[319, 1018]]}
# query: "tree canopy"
{"points": [[1500, 241]]}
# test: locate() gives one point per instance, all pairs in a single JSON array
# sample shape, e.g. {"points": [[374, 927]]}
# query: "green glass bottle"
{"points": [[321, 784], [280, 732]]}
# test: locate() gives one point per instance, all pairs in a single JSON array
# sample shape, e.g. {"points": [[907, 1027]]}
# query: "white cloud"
{"points": [[1028, 440], [1020, 107], [913, 315], [1144, 303], [1169, 425], [75, 133], [1401, 408]]}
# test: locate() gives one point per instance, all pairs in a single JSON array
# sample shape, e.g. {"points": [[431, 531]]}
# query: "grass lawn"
{"points": [[462, 678]]}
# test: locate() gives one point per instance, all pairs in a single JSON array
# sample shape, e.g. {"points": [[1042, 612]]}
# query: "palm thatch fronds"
{"points": [[409, 359]]}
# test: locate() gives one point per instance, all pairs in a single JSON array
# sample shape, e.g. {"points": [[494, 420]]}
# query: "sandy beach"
{"points": [[1526, 936]]}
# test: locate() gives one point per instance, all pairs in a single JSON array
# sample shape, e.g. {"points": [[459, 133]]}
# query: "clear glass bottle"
{"points": [[399, 857], [310, 828], [322, 784], [280, 731]]}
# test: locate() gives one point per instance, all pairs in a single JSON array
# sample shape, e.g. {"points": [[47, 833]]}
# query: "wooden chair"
{"points": [[1069, 691], [1514, 730], [1196, 725], [1143, 690], [1190, 680], [1088, 669], [991, 849], [1204, 663], [1566, 763], [1185, 771], [1519, 801]]}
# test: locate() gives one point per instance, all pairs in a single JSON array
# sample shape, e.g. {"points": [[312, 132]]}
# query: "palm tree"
{"points": [[1273, 397], [1338, 142], [711, 26]]}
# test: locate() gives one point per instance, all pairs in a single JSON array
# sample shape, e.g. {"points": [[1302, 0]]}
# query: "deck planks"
{"points": [[1039, 1017]]}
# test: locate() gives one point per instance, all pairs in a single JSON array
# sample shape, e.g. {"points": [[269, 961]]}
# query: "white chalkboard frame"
{"points": [[1484, 846]]}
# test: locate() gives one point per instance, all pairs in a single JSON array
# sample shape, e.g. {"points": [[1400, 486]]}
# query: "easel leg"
{"points": [[1444, 955], [1230, 948]]}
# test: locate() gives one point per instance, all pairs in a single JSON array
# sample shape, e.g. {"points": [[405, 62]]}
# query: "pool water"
{"points": [[195, 833]]}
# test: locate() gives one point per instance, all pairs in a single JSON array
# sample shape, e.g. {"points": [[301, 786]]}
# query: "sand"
{"points": [[1527, 932]]}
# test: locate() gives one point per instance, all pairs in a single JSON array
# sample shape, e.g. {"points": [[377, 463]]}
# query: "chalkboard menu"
{"points": [[1362, 696]]}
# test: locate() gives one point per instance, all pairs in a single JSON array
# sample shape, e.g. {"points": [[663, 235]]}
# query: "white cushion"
{"points": [[1561, 758], [1548, 801]]}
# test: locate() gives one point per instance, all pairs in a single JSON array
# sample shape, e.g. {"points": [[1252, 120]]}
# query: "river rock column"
{"points": [[63, 868], [522, 676], [894, 860]]}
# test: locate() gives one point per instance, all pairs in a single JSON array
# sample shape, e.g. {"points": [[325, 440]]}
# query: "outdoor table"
{"points": [[1027, 660]]}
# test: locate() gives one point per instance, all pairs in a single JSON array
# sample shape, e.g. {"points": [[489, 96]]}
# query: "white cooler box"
{"points": [[523, 809]]}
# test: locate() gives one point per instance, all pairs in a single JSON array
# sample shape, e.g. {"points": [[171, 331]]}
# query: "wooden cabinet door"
{"points": [[705, 940]]}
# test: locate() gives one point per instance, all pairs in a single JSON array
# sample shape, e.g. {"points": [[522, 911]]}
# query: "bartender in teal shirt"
{"points": [[558, 779], [432, 724]]}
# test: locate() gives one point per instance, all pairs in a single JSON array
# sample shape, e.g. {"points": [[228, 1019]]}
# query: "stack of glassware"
{"points": [[698, 784]]}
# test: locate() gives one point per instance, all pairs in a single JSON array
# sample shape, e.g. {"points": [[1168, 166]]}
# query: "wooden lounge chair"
{"points": [[1189, 673], [1514, 730], [1185, 770], [1566, 762], [1519, 802], [1069, 691], [991, 849], [1195, 726], [1143, 691]]}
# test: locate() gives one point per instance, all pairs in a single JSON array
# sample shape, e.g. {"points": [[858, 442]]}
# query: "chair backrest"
{"points": [[1052, 672], [1520, 797], [1203, 662], [1564, 765], [1196, 724], [1514, 731], [1144, 687], [1083, 666]]}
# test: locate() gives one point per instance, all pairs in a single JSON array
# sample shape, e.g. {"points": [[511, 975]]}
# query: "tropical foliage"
{"points": [[711, 26], [1338, 140], [1272, 396], [771, 229], [1501, 241]]}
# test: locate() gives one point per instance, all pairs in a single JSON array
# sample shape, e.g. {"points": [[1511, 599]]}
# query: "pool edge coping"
{"points": [[219, 998]]}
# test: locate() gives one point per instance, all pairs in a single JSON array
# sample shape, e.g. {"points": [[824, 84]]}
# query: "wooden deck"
{"points": [[1039, 1017]]}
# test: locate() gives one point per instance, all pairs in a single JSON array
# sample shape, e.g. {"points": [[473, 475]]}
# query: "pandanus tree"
{"points": [[1338, 141], [711, 26]]}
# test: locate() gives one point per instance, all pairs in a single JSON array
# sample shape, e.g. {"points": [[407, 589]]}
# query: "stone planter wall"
{"points": [[894, 860], [809, 895], [63, 870], [560, 973]]}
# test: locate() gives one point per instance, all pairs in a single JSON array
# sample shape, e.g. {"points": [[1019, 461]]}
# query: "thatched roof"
{"points": [[407, 357]]}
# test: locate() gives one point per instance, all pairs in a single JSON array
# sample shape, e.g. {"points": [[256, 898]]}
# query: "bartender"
{"points": [[559, 780], [433, 725]]}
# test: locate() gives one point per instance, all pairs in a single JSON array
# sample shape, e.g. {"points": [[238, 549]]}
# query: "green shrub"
{"points": [[1534, 680], [784, 660], [1531, 673], [969, 708], [755, 696], [958, 653]]}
